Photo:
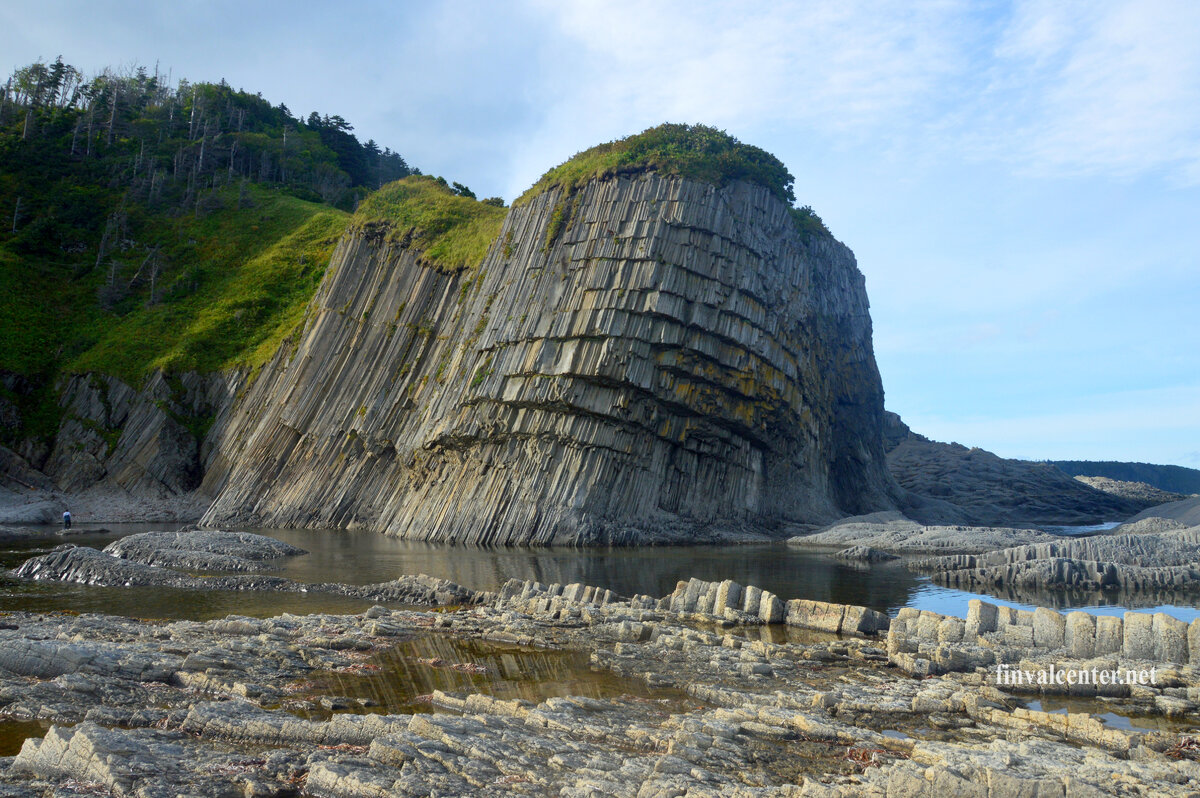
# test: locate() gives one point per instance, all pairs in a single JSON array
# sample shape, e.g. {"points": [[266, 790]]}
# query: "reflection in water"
{"points": [[949, 601], [1114, 713], [366, 557], [400, 678], [165, 603], [15, 732]]}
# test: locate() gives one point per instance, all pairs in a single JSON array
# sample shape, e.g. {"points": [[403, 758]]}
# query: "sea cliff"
{"points": [[644, 358]]}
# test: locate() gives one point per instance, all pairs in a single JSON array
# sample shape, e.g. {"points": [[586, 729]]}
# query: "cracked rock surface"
{"points": [[698, 697]]}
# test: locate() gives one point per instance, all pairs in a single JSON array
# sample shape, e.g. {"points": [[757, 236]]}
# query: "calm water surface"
{"points": [[365, 557]]}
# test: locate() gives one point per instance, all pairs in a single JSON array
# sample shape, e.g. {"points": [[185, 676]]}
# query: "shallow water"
{"points": [[13, 733], [365, 557], [401, 678], [1114, 713]]}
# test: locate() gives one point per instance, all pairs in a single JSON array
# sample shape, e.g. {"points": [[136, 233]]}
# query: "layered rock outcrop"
{"points": [[122, 453], [689, 703], [646, 359], [1152, 562], [1138, 491]]}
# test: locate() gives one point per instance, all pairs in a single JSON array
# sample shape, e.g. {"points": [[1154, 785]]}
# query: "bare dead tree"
{"points": [[112, 117]]}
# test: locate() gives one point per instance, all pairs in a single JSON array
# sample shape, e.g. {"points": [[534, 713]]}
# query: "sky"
{"points": [[1020, 181]]}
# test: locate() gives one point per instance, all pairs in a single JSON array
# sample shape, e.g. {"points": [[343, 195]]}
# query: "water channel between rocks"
{"points": [[365, 557], [401, 678]]}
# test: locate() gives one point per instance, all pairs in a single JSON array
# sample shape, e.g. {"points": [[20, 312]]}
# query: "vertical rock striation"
{"points": [[645, 359]]}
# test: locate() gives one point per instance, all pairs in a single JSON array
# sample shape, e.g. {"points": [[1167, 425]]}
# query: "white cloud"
{"points": [[1109, 88], [1053, 87], [835, 69]]}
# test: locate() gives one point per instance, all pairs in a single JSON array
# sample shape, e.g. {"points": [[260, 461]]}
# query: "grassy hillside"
{"points": [[226, 289], [148, 227], [454, 230], [225, 285], [248, 277]]}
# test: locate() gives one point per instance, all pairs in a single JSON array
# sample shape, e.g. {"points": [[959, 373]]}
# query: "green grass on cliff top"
{"points": [[694, 151], [454, 231], [254, 273], [697, 152]]}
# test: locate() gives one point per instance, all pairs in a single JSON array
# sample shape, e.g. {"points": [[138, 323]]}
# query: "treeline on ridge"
{"points": [[147, 226]]}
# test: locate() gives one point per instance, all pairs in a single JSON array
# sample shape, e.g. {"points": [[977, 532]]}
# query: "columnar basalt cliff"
{"points": [[643, 358]]}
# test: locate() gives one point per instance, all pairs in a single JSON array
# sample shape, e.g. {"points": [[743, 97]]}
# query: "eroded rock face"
{"points": [[669, 363]]}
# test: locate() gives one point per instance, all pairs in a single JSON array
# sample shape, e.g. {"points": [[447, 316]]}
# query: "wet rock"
{"points": [[87, 566], [1146, 562], [864, 554], [202, 550], [893, 533], [737, 712], [835, 618]]}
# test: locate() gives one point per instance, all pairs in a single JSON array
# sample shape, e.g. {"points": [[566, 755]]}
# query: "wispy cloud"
{"points": [[1045, 86], [1099, 87], [836, 69]]}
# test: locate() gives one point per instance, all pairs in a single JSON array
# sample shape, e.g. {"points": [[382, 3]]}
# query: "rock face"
{"points": [[992, 490], [122, 453], [1138, 491], [649, 359]]}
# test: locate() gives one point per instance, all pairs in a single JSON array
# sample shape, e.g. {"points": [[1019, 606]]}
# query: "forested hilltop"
{"points": [[152, 227]]}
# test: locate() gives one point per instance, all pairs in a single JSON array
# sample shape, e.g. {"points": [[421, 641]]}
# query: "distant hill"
{"points": [[1176, 479]]}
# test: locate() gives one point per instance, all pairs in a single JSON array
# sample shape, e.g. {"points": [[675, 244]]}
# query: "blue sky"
{"points": [[1019, 180]]}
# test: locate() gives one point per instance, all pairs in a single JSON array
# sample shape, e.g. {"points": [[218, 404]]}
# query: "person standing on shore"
{"points": [[66, 519]]}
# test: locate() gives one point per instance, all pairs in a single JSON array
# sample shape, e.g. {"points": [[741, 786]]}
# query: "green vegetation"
{"points": [[454, 230], [224, 291], [152, 228], [809, 224], [558, 220], [697, 152], [252, 273]]}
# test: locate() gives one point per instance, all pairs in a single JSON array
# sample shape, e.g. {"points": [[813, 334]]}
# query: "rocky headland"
{"points": [[650, 346], [638, 359]]}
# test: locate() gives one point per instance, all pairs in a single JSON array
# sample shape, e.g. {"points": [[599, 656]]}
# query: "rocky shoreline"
{"points": [[750, 696]]}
